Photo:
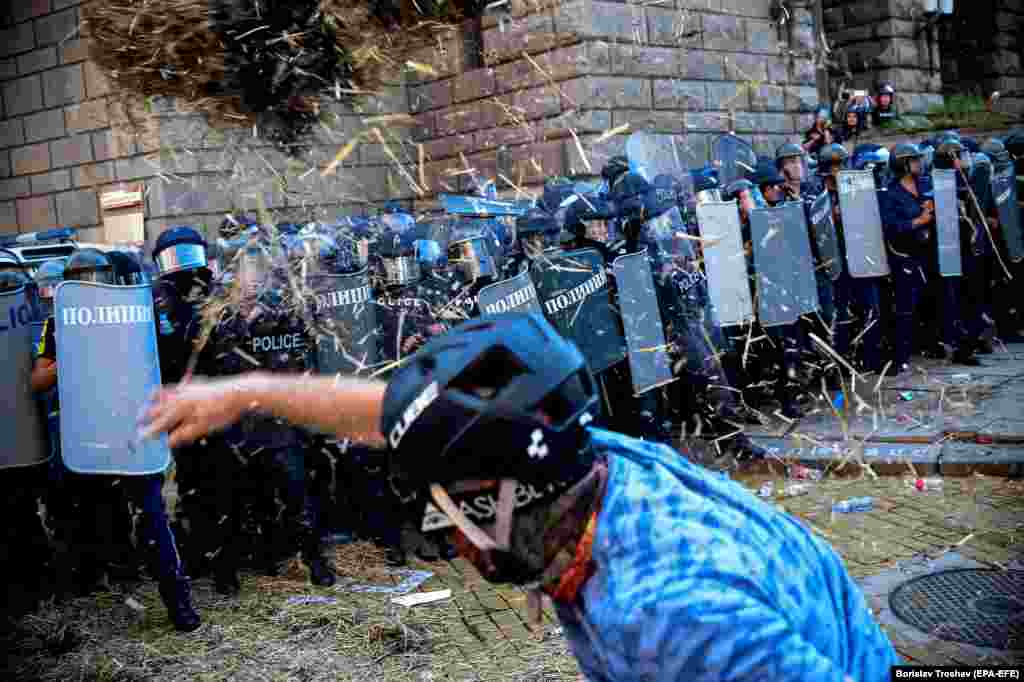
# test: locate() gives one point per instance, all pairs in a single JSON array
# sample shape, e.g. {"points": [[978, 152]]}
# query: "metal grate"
{"points": [[981, 607]]}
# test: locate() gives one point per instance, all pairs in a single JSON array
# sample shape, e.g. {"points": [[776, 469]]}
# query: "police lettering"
{"points": [[517, 300], [16, 317], [406, 303], [272, 343], [343, 297], [107, 314], [577, 294]]}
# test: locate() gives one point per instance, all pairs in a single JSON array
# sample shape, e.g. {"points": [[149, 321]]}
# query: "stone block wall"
{"points": [[558, 76], [887, 40]]}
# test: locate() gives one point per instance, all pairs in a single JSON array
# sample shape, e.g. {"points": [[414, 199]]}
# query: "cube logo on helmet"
{"points": [[412, 413], [537, 449]]}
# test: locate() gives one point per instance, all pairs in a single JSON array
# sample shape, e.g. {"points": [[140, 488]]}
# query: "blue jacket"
{"points": [[697, 579], [899, 209]]}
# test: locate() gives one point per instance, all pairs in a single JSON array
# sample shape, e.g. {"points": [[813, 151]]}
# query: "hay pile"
{"points": [[265, 63]]}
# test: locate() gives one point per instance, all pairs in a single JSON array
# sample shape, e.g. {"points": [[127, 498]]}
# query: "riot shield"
{"points": [[786, 287], [460, 204], [513, 295], [575, 297], [1004, 190], [649, 364], [107, 368], [347, 323], [24, 441], [652, 154], [862, 224], [732, 157], [947, 222], [825, 242], [724, 262]]}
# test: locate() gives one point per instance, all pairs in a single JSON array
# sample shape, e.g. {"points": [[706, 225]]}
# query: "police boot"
{"points": [[321, 573], [176, 592]]}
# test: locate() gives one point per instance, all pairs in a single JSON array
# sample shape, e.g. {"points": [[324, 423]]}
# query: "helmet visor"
{"points": [[400, 270], [181, 257], [101, 275], [472, 258]]}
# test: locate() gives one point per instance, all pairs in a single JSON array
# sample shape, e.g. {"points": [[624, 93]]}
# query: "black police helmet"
{"points": [[505, 397], [831, 155], [89, 265], [12, 280], [766, 174], [902, 155], [616, 166], [127, 270]]}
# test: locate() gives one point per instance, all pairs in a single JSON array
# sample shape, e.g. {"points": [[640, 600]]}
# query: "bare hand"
{"points": [[189, 411], [828, 137], [411, 343]]}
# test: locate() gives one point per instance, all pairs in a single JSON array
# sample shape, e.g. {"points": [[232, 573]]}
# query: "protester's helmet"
{"points": [[179, 249], [89, 265], [47, 277], [830, 156], [900, 158], [502, 398]]}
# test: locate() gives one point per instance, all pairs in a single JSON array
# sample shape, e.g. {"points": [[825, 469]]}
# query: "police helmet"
{"points": [[996, 151], [472, 256], [502, 398], [706, 188], [428, 254], [886, 88], [787, 151], [616, 166], [866, 156], [831, 155], [89, 265], [947, 150], [317, 253], [398, 259], [127, 271], [766, 174], [178, 249], [735, 188], [901, 156], [535, 221], [9, 261], [48, 276], [12, 280], [823, 112]]}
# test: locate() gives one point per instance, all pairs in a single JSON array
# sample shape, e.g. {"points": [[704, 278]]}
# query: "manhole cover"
{"points": [[974, 606]]}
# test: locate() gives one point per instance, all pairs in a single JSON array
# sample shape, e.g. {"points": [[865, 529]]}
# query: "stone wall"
{"points": [[558, 76], [983, 49], [886, 40]]}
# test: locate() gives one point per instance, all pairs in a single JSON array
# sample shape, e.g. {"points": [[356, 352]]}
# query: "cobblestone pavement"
{"points": [[981, 518]]}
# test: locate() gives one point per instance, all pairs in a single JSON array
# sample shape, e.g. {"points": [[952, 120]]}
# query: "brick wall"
{"points": [[556, 77]]}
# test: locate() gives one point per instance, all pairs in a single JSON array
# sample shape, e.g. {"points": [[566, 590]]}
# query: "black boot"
{"points": [[225, 581], [176, 592], [320, 572]]}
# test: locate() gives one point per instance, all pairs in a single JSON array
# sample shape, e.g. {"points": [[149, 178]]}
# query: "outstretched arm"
{"points": [[348, 407]]}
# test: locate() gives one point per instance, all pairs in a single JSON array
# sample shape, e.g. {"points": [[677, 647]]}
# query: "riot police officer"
{"points": [[885, 104], [908, 221], [92, 505], [266, 330], [533, 229], [853, 297], [821, 132], [182, 287], [24, 546], [1005, 308]]}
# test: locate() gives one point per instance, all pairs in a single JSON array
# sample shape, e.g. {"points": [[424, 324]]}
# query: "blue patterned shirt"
{"points": [[697, 579]]}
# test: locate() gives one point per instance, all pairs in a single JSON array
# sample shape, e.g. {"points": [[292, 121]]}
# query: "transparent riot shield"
{"points": [[516, 294], [733, 157], [649, 362], [24, 442], [1004, 190], [825, 242], [947, 222], [347, 323], [862, 224], [576, 298], [786, 288], [725, 263]]}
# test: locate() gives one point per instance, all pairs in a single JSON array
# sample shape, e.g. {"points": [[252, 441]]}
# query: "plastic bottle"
{"points": [[796, 489], [854, 504], [931, 483]]}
